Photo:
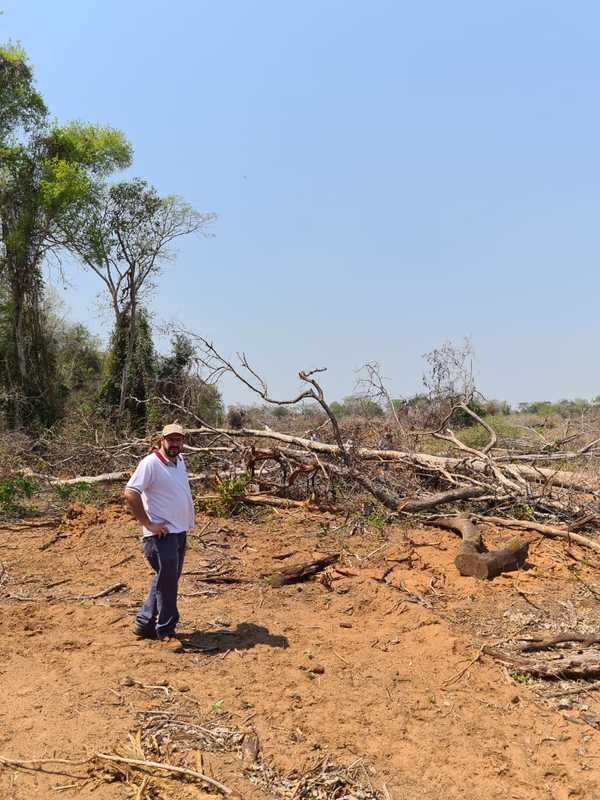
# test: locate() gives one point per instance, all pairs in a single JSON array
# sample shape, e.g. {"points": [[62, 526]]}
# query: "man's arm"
{"points": [[135, 505]]}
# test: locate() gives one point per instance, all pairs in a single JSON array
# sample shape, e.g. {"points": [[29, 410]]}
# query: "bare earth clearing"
{"points": [[356, 683]]}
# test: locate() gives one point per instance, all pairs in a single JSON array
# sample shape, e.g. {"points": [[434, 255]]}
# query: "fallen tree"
{"points": [[287, 470], [475, 462]]}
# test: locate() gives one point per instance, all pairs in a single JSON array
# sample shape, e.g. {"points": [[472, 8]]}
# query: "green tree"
{"points": [[140, 364], [178, 381], [357, 406], [124, 234], [78, 359], [21, 105], [45, 172]]}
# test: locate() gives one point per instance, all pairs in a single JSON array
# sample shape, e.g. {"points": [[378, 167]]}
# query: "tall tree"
{"points": [[124, 234], [44, 172], [141, 365]]}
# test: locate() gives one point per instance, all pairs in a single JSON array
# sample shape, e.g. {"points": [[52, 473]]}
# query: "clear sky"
{"points": [[387, 175]]}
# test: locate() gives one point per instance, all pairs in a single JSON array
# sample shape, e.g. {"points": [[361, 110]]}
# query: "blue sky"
{"points": [[387, 176]]}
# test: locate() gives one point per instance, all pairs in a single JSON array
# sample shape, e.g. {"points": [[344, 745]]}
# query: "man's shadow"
{"points": [[246, 636]]}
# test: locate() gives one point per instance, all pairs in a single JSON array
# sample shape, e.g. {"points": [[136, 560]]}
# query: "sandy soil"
{"points": [[341, 672]]}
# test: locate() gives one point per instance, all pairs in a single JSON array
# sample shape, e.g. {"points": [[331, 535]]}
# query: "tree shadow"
{"points": [[244, 637]]}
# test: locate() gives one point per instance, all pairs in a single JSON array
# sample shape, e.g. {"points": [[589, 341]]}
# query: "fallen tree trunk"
{"points": [[106, 477], [396, 503], [547, 530], [265, 500], [471, 559], [117, 477], [301, 571], [479, 465]]}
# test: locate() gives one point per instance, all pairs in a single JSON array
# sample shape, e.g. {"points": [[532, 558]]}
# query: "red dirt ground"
{"points": [[386, 680]]}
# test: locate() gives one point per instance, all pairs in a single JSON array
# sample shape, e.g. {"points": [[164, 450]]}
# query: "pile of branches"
{"points": [[402, 480], [324, 468]]}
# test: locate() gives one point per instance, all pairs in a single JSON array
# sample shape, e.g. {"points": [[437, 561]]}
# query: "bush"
{"points": [[355, 406], [475, 436], [82, 491], [230, 491], [13, 491], [563, 408]]}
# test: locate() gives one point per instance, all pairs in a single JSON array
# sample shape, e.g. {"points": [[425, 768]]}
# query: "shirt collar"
{"points": [[164, 460]]}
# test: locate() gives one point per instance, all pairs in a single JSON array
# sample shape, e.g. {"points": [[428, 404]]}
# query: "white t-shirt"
{"points": [[165, 491]]}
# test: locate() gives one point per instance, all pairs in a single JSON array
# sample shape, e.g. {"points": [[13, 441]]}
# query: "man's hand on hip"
{"points": [[157, 529]]}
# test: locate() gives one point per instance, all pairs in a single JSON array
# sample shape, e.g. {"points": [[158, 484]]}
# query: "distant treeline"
{"points": [[564, 408], [419, 409]]}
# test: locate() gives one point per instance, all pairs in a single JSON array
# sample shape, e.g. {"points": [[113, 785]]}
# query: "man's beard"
{"points": [[172, 451]]}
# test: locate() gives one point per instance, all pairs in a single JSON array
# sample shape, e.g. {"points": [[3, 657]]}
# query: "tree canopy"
{"points": [[55, 198], [45, 170]]}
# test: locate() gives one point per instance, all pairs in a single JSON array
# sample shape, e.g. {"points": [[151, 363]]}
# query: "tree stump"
{"points": [[473, 561]]}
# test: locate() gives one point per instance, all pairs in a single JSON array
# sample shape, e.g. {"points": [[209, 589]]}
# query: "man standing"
{"points": [[159, 497]]}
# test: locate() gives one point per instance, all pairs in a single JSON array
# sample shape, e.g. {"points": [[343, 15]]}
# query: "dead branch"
{"points": [[156, 765], [301, 571], [118, 587], [547, 530], [263, 500], [451, 496], [373, 385], [107, 477], [117, 477], [395, 503], [533, 644], [581, 664]]}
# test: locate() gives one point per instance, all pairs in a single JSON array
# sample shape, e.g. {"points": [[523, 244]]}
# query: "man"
{"points": [[386, 443], [159, 497], [387, 440]]}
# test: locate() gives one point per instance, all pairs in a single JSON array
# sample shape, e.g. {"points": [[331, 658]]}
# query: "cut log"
{"points": [[471, 559], [300, 572]]}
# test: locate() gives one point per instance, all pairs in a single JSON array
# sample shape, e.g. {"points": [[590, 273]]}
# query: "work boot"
{"points": [[143, 633], [170, 643]]}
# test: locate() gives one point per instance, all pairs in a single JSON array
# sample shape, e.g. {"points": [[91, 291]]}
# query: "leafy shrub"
{"points": [[82, 491], [230, 491], [477, 437], [13, 491], [358, 407]]}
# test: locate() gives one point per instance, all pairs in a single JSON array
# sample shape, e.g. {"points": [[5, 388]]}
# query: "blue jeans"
{"points": [[165, 556]]}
